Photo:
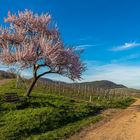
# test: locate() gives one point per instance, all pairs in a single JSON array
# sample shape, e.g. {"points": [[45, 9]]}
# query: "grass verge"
{"points": [[49, 117], [66, 131]]}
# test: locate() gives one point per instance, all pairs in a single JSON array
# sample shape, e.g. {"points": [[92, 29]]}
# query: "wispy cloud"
{"points": [[128, 75], [4, 67], [126, 58], [126, 46], [84, 46]]}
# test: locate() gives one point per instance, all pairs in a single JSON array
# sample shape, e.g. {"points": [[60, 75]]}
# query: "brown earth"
{"points": [[3, 81], [122, 125]]}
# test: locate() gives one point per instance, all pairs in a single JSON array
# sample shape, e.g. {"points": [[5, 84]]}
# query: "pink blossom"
{"points": [[31, 42]]}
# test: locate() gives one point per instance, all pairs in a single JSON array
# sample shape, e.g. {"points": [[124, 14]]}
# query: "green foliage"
{"points": [[67, 130], [121, 102], [41, 114], [50, 117]]}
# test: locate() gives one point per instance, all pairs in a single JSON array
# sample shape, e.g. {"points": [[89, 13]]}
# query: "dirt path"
{"points": [[4, 81], [123, 126]]}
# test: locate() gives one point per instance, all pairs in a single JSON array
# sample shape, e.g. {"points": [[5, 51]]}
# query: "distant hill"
{"points": [[104, 84], [51, 81], [6, 75]]}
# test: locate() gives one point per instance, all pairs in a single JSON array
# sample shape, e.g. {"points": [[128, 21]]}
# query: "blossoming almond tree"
{"points": [[30, 42]]}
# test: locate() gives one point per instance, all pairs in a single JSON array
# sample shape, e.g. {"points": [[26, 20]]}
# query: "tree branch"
{"points": [[43, 65], [47, 72], [40, 75], [35, 71]]}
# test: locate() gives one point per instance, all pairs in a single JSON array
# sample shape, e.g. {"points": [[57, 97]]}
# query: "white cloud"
{"points": [[4, 67], [126, 58], [128, 75], [122, 74], [126, 46], [84, 46], [26, 73]]}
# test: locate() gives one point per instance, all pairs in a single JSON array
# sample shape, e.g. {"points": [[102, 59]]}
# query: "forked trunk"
{"points": [[31, 87]]}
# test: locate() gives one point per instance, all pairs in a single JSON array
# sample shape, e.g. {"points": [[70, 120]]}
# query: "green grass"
{"points": [[119, 102], [41, 114], [67, 130], [50, 117]]}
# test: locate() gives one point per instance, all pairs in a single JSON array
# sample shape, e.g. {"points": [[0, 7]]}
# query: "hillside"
{"points": [[45, 116], [104, 84], [6, 75]]}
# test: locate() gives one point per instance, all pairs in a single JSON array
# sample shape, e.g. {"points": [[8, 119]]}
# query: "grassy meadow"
{"points": [[47, 116]]}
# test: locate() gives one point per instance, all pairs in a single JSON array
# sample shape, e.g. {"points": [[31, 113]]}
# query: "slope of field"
{"points": [[4, 81], [39, 114], [123, 126], [46, 116]]}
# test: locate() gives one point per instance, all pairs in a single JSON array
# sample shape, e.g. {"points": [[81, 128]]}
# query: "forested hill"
{"points": [[104, 84], [6, 75]]}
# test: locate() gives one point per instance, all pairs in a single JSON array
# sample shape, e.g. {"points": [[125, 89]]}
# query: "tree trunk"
{"points": [[31, 87], [36, 77]]}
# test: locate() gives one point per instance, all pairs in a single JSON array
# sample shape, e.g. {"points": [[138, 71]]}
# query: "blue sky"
{"points": [[108, 31]]}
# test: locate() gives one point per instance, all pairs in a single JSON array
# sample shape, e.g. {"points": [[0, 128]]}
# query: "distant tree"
{"points": [[31, 42], [17, 74]]}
